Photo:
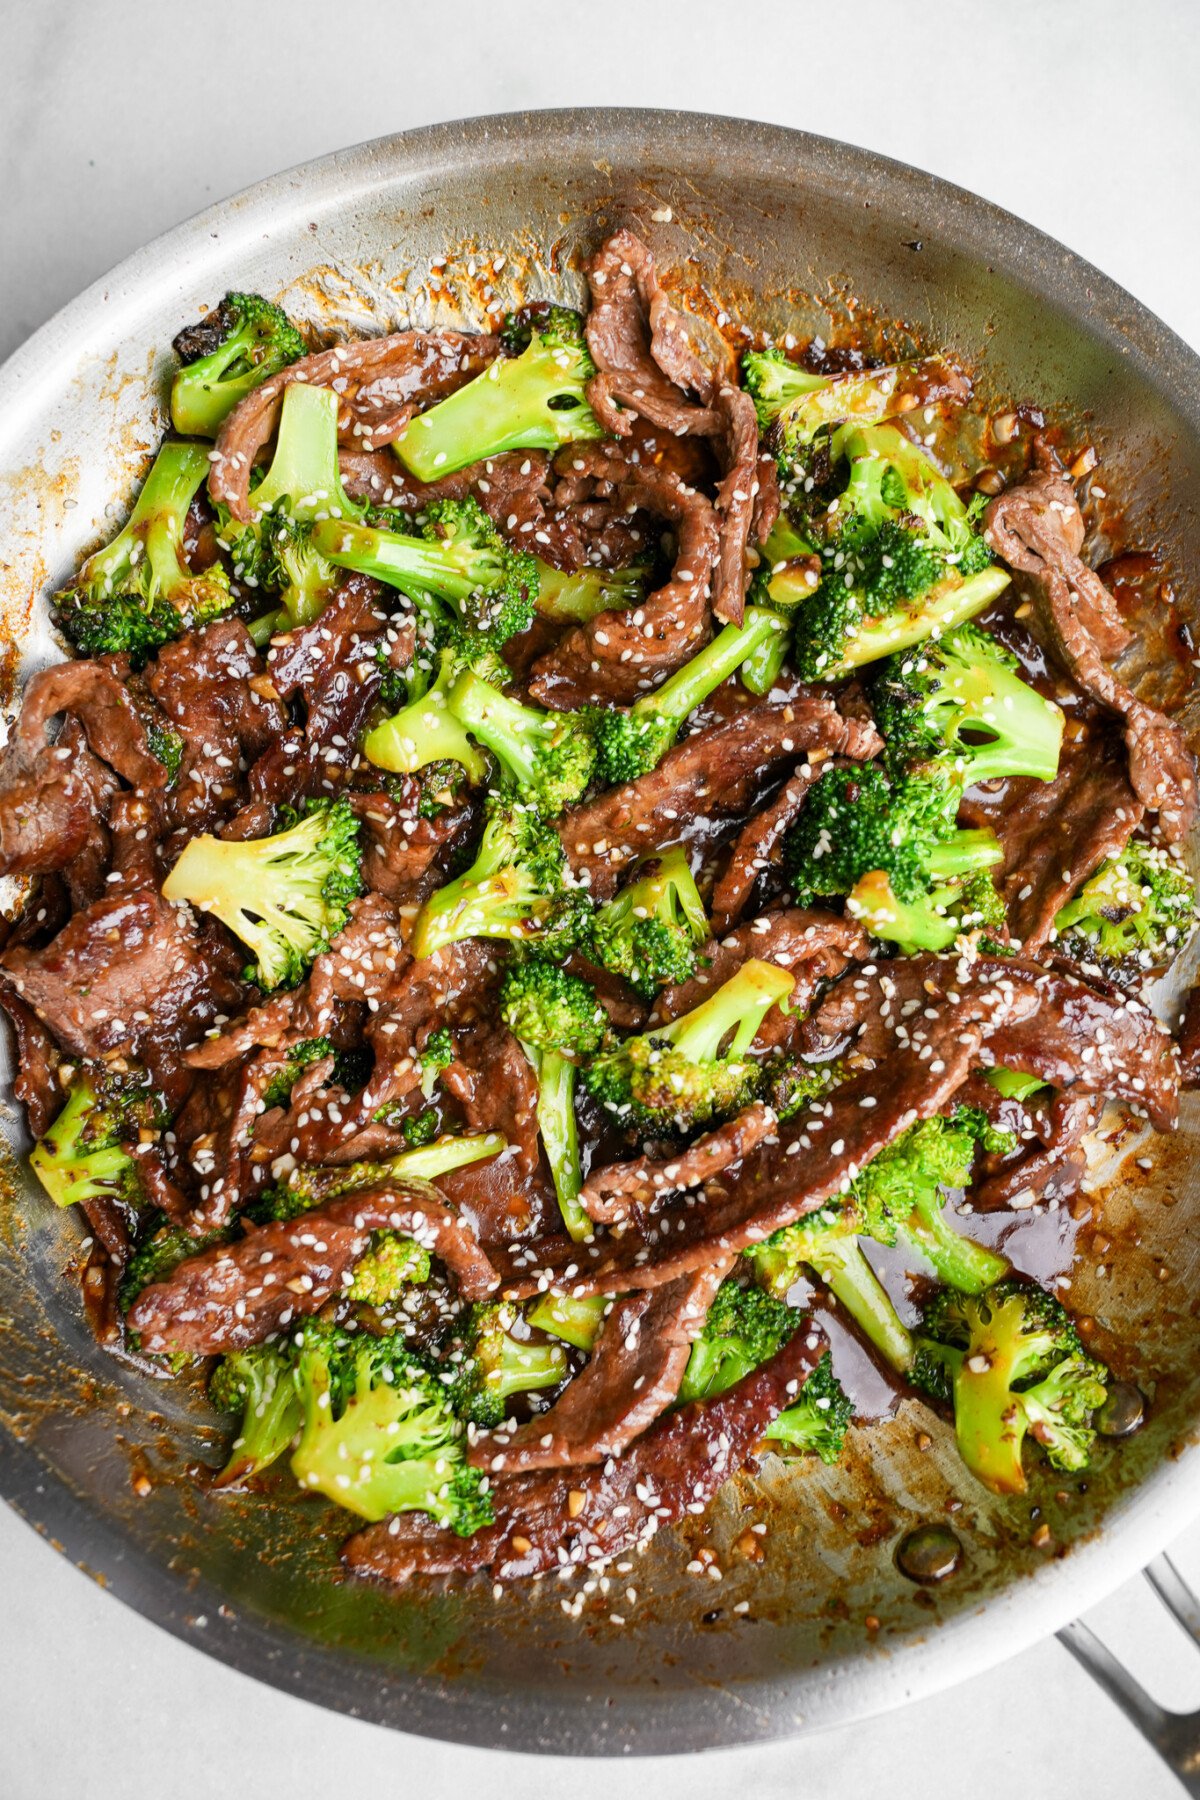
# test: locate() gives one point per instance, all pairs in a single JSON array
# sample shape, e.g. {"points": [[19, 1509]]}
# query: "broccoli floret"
{"points": [[426, 732], [159, 1255], [285, 896], [1013, 1086], [436, 1056], [697, 1068], [795, 1085], [138, 592], [745, 1326], [545, 1006], [1011, 1362], [533, 401], [960, 698], [788, 574], [826, 1243], [390, 1263], [651, 931], [902, 559], [88, 1153], [547, 758], [574, 1319], [1133, 916], [817, 1423], [299, 1058], [517, 872], [631, 743], [491, 1363], [799, 404], [260, 1384], [461, 560], [573, 597], [305, 1187], [418, 1129], [257, 339], [379, 1435], [892, 849], [167, 746]]}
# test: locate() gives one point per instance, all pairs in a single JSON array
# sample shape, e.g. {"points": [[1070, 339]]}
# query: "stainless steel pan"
{"points": [[780, 228]]}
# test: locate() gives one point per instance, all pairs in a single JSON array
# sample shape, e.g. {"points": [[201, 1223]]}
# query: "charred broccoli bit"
{"points": [[799, 404], [826, 1242], [902, 559], [426, 732], [652, 929], [631, 743], [795, 1085], [306, 1187], [257, 339], [533, 400], [696, 1069], [1011, 1363], [494, 1358], [379, 1435], [507, 891], [893, 850], [1133, 916], [286, 896], [299, 1058], [573, 597], [576, 1319], [89, 1152], [960, 698], [816, 1425], [545, 1005], [390, 1262], [461, 560], [167, 746], [259, 1384], [300, 493], [546, 758], [139, 592], [745, 1326]]}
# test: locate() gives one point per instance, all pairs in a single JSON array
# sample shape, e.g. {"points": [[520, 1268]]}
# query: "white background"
{"points": [[118, 119]]}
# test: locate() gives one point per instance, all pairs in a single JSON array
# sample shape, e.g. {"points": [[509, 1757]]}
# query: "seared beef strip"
{"points": [[555, 1518], [640, 347], [1189, 1041], [619, 1190], [815, 946], [713, 774], [238, 1294], [405, 854], [736, 502], [95, 695], [1038, 530], [213, 688], [632, 1376], [754, 849], [495, 1086], [1050, 1169]]}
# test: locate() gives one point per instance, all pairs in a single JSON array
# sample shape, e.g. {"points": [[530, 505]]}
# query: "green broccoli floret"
{"points": [[902, 559], [1011, 1362], [573, 597], [391, 1263], [532, 401], [547, 758], [960, 698], [745, 1326], [379, 1434], [491, 1363], [544, 1005], [461, 560], [259, 1384], [1133, 916], [436, 1056], [826, 1243], [285, 896], [418, 1129], [167, 746], [816, 1425], [576, 1319], [793, 1086], [426, 732], [305, 1187], [697, 1068], [652, 929], [256, 340], [299, 1058], [89, 1152], [138, 592], [631, 743], [892, 849], [799, 404], [518, 870]]}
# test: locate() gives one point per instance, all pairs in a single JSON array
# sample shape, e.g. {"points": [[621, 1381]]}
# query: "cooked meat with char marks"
{"points": [[237, 1294], [737, 502], [404, 854], [620, 654], [1051, 1169], [1037, 529], [494, 1084], [616, 1192], [712, 774], [384, 381], [640, 346], [540, 1525], [755, 847], [631, 1378], [212, 686]]}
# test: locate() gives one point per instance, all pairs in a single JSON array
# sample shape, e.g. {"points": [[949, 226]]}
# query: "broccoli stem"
{"points": [[154, 530], [575, 597], [425, 731], [940, 609], [576, 1321], [515, 734], [556, 1121], [764, 665], [839, 1261], [962, 854], [445, 1153], [267, 626], [698, 678], [739, 1006], [304, 480], [957, 1261]]}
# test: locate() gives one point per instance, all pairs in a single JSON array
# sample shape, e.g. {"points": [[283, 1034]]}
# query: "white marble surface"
{"points": [[117, 119]]}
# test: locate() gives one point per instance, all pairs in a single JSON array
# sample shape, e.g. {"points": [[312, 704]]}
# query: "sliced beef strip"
{"points": [[715, 773], [737, 500], [816, 946], [632, 1376], [755, 847], [1051, 1169], [550, 1519], [640, 346], [36, 1084], [348, 630], [107, 1259], [494, 1084], [380, 382], [320, 760], [620, 654], [1054, 834], [621, 1190], [212, 686], [238, 1294], [95, 695], [379, 478], [1037, 529], [404, 855], [1189, 1040]]}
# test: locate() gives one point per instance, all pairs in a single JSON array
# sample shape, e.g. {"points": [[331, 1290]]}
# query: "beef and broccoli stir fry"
{"points": [[557, 846]]}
